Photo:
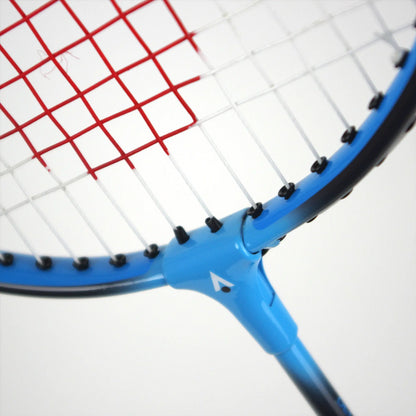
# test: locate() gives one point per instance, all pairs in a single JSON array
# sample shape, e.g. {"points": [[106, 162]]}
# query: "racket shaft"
{"points": [[311, 382]]}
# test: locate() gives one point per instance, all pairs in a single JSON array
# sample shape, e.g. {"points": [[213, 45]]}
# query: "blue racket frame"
{"points": [[227, 265]]}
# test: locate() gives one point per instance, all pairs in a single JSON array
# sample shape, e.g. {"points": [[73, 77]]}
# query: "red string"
{"points": [[80, 94]]}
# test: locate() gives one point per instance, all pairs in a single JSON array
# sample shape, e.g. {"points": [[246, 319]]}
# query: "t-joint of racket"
{"points": [[220, 266]]}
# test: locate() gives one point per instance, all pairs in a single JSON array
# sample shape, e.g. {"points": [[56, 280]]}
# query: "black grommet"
{"points": [[287, 191], [381, 161], [256, 210], [181, 235], [118, 260], [347, 194], [226, 289], [45, 263], [6, 259], [411, 125], [152, 251], [213, 224], [311, 219], [349, 135], [376, 101], [400, 59], [319, 167], [82, 264]]}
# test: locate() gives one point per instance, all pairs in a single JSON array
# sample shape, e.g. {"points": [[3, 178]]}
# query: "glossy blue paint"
{"points": [[139, 273], [227, 265], [278, 218], [281, 216], [311, 381], [219, 266], [210, 262]]}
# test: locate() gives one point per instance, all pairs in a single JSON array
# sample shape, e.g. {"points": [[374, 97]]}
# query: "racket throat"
{"points": [[218, 265]]}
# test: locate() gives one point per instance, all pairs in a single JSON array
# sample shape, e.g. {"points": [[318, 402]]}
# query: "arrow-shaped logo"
{"points": [[216, 280]]}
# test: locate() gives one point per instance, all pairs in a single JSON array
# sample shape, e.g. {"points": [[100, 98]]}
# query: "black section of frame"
{"points": [[102, 289], [393, 128], [395, 125]]}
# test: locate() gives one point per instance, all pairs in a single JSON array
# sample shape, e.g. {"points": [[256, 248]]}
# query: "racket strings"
{"points": [[249, 54], [81, 94], [71, 141], [172, 88], [44, 218], [387, 34], [291, 37], [254, 136], [320, 85], [279, 97], [22, 236]]}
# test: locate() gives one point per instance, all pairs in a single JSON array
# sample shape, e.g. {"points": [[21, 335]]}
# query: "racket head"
{"points": [[231, 352], [315, 193]]}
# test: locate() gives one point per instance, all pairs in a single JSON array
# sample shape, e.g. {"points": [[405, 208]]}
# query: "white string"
{"points": [[347, 46], [211, 116], [255, 51], [191, 187], [122, 213], [221, 19], [387, 35], [46, 192], [294, 77], [313, 75], [75, 204], [244, 122], [9, 169], [153, 198], [283, 40], [200, 122], [277, 94], [34, 205], [233, 105], [22, 236], [226, 164]]}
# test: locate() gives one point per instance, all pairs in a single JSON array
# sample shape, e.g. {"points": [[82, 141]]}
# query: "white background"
{"points": [[348, 278]]}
